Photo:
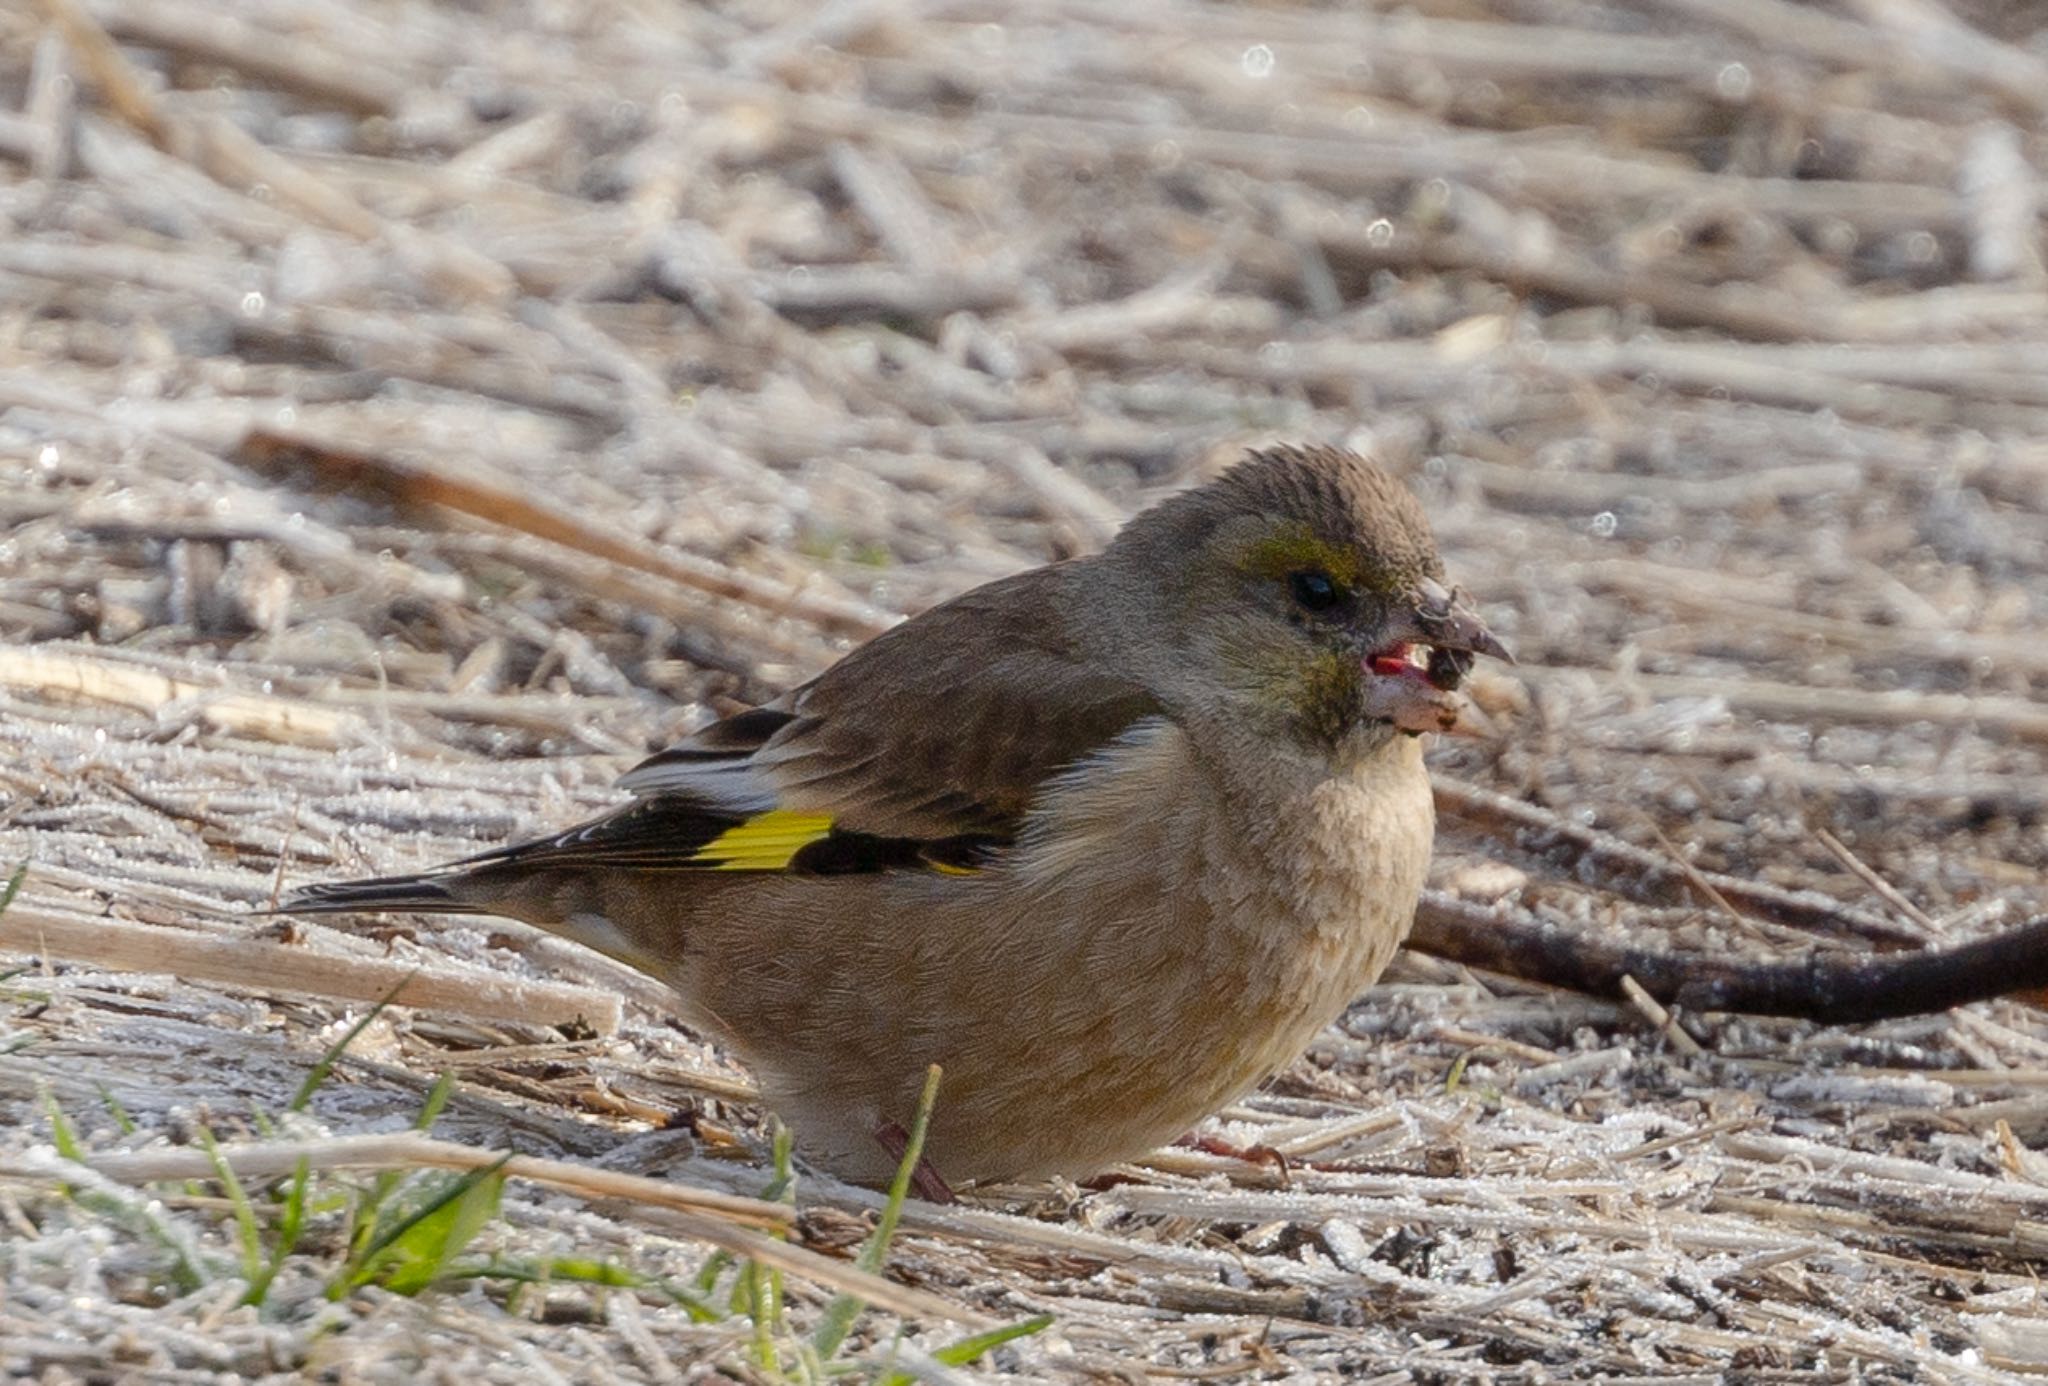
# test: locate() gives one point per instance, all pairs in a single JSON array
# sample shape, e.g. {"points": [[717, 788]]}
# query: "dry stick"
{"points": [[1659, 1018], [1425, 370], [1695, 590], [1923, 60], [1736, 309], [879, 291], [2006, 370], [2018, 718], [1698, 879], [29, 926], [1597, 858], [1523, 488], [654, 411], [21, 138], [1858, 868], [688, 607], [441, 351], [910, 228], [1062, 495], [1359, 161], [145, 690], [230, 155], [1491, 48], [1180, 303], [1996, 1234], [1943, 312], [1802, 377], [411, 1150], [182, 276], [127, 164], [1353, 160], [52, 109], [116, 78], [224, 41], [1832, 987], [158, 684], [1806, 31], [1929, 33], [405, 484]]}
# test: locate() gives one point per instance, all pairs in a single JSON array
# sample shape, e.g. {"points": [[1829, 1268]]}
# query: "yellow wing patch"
{"points": [[766, 842]]}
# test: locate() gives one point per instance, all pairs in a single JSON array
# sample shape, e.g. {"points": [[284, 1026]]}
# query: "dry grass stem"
{"points": [[275, 1159], [412, 414], [50, 933]]}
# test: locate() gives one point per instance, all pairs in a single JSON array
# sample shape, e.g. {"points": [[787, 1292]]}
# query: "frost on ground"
{"points": [[410, 414]]}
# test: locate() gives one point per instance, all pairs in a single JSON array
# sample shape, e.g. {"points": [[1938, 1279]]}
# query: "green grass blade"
{"points": [[877, 1250], [290, 1225], [13, 886], [247, 1237], [419, 1248], [715, 1265], [127, 1207], [122, 1120], [839, 1315], [965, 1351], [764, 1283], [369, 1209], [304, 1096], [783, 1184], [437, 1098], [764, 1308], [583, 1271], [62, 1134]]}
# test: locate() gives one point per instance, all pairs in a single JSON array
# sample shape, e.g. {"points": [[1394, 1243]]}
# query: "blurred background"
{"points": [[410, 413]]}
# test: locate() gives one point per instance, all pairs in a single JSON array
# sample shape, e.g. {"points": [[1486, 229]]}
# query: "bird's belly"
{"points": [[1166, 1037], [1092, 1067]]}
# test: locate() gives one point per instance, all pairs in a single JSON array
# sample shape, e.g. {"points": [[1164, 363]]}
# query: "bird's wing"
{"points": [[675, 832], [921, 749], [925, 745]]}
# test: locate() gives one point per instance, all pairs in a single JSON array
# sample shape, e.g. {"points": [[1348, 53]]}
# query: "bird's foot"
{"points": [[1262, 1155], [925, 1180]]}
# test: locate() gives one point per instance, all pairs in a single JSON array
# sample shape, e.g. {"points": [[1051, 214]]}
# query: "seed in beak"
{"points": [[1448, 667]]}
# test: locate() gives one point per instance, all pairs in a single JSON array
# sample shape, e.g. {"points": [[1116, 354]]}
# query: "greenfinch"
{"points": [[1110, 840]]}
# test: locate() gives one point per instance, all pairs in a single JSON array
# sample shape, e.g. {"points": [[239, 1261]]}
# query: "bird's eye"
{"points": [[1312, 589]]}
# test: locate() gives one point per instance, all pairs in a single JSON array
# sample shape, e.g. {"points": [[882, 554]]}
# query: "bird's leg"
{"points": [[1264, 1155], [925, 1180]]}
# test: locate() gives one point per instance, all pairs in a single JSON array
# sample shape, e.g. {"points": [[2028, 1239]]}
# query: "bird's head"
{"points": [[1301, 591]]}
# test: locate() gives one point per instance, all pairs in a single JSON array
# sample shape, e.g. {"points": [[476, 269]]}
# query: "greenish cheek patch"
{"points": [[1326, 695], [1318, 692]]}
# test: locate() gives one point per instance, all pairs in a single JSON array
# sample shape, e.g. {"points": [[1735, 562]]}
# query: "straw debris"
{"points": [[411, 413]]}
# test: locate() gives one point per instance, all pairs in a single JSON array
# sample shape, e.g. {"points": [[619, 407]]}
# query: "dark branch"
{"points": [[1832, 986]]}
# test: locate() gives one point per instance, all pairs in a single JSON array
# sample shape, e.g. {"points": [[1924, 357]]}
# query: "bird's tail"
{"points": [[423, 892]]}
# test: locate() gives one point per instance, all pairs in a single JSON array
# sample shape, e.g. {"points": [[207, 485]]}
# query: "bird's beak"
{"points": [[1412, 680], [1446, 620]]}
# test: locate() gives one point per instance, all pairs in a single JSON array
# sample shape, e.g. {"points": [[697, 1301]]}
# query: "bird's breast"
{"points": [[1219, 915]]}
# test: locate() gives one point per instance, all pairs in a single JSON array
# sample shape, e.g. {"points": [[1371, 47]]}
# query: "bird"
{"points": [[1109, 840]]}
